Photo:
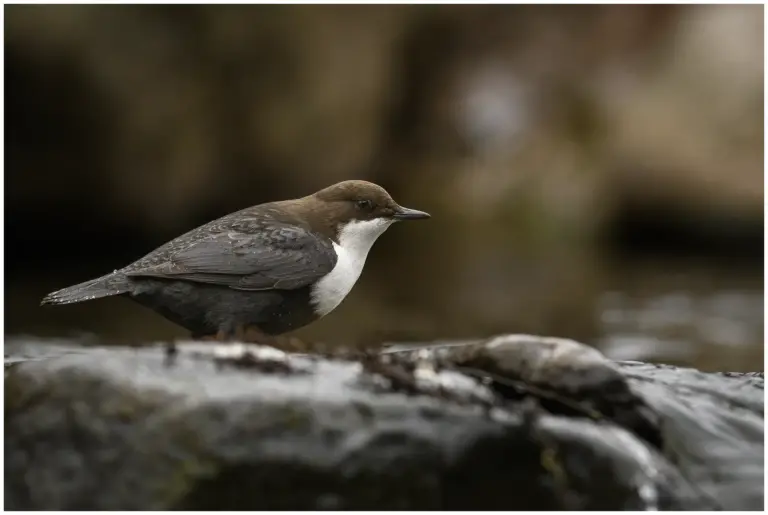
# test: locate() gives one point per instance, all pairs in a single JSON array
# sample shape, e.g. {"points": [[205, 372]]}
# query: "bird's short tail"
{"points": [[105, 286]]}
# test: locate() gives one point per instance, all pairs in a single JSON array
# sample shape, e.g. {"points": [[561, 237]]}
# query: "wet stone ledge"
{"points": [[514, 422]]}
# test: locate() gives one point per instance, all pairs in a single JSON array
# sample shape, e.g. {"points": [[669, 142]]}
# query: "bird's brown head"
{"points": [[362, 205]]}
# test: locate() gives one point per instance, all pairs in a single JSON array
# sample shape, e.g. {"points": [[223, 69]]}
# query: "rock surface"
{"points": [[515, 422]]}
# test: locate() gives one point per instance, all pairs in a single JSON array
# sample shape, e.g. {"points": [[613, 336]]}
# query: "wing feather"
{"points": [[281, 256]]}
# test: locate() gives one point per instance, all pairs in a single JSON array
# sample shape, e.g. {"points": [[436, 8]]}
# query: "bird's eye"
{"points": [[364, 204]]}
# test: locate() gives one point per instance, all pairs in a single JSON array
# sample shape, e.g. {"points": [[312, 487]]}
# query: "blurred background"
{"points": [[593, 172]]}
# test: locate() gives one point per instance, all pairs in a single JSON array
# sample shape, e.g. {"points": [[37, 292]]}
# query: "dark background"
{"points": [[593, 172]]}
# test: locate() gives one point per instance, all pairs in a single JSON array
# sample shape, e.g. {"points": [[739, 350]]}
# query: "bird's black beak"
{"points": [[403, 213]]}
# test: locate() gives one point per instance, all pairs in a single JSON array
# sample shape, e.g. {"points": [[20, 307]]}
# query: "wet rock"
{"points": [[249, 427], [712, 426], [566, 376]]}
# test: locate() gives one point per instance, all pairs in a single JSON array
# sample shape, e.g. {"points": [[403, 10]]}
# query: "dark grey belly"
{"points": [[207, 309]]}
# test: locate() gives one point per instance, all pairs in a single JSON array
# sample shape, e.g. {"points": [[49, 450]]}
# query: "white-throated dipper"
{"points": [[264, 270]]}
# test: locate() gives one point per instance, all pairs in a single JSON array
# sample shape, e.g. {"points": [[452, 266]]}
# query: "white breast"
{"points": [[355, 240]]}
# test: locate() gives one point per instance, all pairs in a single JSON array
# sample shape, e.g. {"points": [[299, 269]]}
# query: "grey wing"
{"points": [[285, 258]]}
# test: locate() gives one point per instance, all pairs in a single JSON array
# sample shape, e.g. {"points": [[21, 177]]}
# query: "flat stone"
{"points": [[248, 427]]}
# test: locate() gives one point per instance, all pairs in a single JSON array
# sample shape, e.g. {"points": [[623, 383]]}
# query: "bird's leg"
{"points": [[252, 334], [220, 336], [239, 334]]}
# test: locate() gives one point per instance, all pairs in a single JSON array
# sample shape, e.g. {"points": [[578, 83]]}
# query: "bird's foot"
{"points": [[251, 334], [241, 334]]}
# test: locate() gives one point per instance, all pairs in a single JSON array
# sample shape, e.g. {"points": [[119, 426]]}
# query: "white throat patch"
{"points": [[355, 240]]}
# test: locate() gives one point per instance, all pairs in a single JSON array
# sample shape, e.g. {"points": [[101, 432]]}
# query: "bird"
{"points": [[259, 272]]}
